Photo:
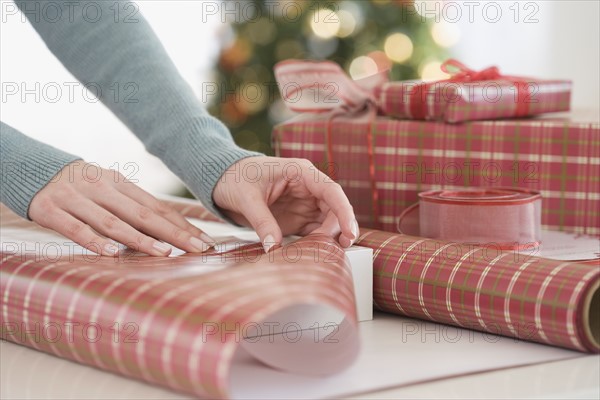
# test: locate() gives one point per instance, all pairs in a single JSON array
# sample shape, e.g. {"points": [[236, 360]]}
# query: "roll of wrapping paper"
{"points": [[508, 217], [487, 289], [176, 321]]}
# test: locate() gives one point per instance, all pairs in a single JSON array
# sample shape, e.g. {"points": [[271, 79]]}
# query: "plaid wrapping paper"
{"points": [[454, 102], [559, 157], [163, 320], [505, 293]]}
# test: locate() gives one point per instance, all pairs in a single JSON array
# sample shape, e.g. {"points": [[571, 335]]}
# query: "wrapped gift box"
{"points": [[471, 95], [558, 155], [457, 102]]}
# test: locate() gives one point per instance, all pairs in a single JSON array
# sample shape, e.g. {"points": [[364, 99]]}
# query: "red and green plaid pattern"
{"points": [[505, 293], [174, 321], [558, 157], [486, 100]]}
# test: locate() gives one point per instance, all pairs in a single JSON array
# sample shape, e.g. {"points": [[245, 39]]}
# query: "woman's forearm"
{"points": [[123, 62]]}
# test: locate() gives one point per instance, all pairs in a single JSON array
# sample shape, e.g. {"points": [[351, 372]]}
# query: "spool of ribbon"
{"points": [[460, 73], [506, 218]]}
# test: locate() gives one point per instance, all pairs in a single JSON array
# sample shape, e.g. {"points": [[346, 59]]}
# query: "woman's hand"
{"points": [[283, 196], [95, 207]]}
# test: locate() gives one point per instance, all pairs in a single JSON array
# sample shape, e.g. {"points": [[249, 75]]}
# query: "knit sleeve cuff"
{"points": [[200, 155], [27, 167]]}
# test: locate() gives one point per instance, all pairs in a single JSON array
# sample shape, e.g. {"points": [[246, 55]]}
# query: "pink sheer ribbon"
{"points": [[507, 218]]}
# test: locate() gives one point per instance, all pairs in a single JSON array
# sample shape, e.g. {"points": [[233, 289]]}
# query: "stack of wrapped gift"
{"points": [[385, 142]]}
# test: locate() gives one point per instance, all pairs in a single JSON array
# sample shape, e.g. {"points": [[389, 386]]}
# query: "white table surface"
{"points": [[29, 374]]}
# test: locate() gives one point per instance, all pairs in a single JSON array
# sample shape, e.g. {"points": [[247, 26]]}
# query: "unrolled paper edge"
{"points": [[591, 316]]}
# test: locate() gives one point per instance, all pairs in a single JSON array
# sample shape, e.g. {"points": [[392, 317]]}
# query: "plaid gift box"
{"points": [[383, 163], [473, 95]]}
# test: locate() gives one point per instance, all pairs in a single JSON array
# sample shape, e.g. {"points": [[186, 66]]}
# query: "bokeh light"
{"points": [[347, 23], [432, 71], [445, 34], [355, 9], [236, 55], [325, 23], [362, 66], [398, 47]]}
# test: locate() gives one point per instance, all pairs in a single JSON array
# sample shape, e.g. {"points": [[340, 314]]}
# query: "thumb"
{"points": [[260, 217]]}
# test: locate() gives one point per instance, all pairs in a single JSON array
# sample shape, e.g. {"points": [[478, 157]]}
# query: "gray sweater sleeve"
{"points": [[26, 166], [120, 59]]}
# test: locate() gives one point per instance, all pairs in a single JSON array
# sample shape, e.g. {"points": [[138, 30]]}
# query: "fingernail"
{"points": [[111, 249], [207, 239], [199, 244], [268, 243], [162, 247], [355, 230], [348, 244]]}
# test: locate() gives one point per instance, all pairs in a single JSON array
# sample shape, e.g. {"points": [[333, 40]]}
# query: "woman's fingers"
{"points": [[110, 225], [136, 226], [323, 188], [258, 214], [271, 202], [96, 201], [79, 232], [163, 210], [330, 226]]}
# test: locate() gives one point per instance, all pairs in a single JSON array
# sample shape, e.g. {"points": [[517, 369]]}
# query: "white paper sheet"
{"points": [[568, 246], [395, 351]]}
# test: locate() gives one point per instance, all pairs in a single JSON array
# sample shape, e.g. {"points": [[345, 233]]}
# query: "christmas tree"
{"points": [[362, 36]]}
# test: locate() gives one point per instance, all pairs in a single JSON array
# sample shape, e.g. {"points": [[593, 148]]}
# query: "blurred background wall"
{"points": [[546, 39]]}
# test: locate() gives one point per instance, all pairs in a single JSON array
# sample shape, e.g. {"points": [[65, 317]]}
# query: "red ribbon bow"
{"points": [[460, 73], [466, 74]]}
